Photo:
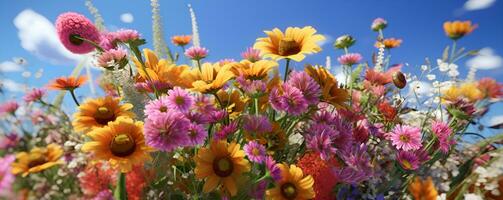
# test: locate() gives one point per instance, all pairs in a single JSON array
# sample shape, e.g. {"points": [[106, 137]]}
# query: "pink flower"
{"points": [[273, 168], [350, 59], [251, 87], [411, 160], [290, 100], [71, 25], [9, 107], [179, 99], [126, 35], [443, 133], [406, 137], [149, 86], [9, 141], [378, 24], [167, 131], [256, 124], [309, 88], [251, 54], [197, 134], [112, 58], [225, 131], [6, 178], [255, 152], [158, 106], [34, 95], [321, 143], [196, 53]]}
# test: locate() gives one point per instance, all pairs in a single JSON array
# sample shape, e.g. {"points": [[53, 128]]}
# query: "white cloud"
{"points": [[496, 120], [478, 4], [12, 86], [421, 88], [38, 36], [9, 66], [127, 18], [486, 59], [328, 39]]}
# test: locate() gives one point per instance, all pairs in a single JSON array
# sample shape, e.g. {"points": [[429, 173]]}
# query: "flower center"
{"points": [[163, 109], [179, 100], [75, 39], [255, 152], [406, 164], [289, 191], [404, 138], [36, 159], [223, 166], [122, 145], [288, 46], [104, 115]]}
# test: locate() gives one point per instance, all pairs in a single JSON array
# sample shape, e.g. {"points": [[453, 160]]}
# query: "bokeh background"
{"points": [[228, 27]]}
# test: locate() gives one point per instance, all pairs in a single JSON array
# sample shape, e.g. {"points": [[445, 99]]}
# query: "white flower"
{"points": [[442, 66], [424, 67], [472, 196], [431, 77]]}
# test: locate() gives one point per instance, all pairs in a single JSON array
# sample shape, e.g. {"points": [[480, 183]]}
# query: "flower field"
{"points": [[170, 124]]}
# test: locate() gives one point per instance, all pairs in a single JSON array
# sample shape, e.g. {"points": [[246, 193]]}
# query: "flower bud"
{"points": [[344, 41], [379, 24], [399, 80]]}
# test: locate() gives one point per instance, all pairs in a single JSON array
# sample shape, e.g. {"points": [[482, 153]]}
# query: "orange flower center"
{"points": [[223, 167], [406, 164], [179, 100], [104, 115], [122, 145], [255, 152], [163, 109], [288, 46], [404, 138], [36, 159], [289, 191]]}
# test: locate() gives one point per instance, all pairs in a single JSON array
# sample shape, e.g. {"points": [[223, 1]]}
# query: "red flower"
{"points": [[321, 171], [389, 112]]}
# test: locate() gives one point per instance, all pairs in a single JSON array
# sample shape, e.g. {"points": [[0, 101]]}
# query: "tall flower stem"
{"points": [[286, 69], [120, 192], [199, 65], [74, 97]]}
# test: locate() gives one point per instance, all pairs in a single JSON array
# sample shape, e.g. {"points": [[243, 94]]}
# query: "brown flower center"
{"points": [[223, 167], [179, 100], [163, 109], [288, 46], [289, 191], [404, 138], [122, 145], [36, 159], [75, 39], [104, 115]]}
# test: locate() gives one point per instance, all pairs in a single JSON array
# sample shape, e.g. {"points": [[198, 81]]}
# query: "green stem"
{"points": [[90, 42], [199, 65], [120, 192], [286, 69], [74, 98], [255, 101], [453, 51]]}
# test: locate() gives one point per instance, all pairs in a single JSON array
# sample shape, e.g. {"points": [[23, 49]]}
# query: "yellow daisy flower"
{"points": [[292, 44], [221, 164], [121, 143], [330, 90], [253, 70], [232, 102], [98, 112], [38, 159], [211, 78], [161, 70], [293, 185]]}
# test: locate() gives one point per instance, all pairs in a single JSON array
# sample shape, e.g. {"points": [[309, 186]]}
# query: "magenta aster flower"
{"points": [[179, 99], [6, 178], [443, 133], [112, 58], [158, 106], [406, 137], [167, 131], [291, 100], [251, 54], [196, 53], [35, 94], [309, 88], [149, 86], [9, 107], [197, 134], [273, 169], [71, 25], [126, 35], [225, 131], [358, 167], [256, 124], [203, 104], [255, 152], [350, 59], [378, 24], [322, 144], [9, 140], [412, 160]]}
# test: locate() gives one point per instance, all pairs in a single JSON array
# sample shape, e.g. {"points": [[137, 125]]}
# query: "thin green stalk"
{"points": [[286, 69], [120, 192], [198, 61], [74, 98]]}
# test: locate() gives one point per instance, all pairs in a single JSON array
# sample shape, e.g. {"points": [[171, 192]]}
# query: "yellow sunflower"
{"points": [[253, 70], [330, 90], [221, 164], [232, 102], [121, 143], [161, 70], [293, 185], [98, 112], [468, 91], [38, 159], [292, 44], [211, 78]]}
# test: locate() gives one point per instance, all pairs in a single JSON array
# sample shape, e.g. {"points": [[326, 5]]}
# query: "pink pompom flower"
{"points": [[71, 27], [350, 59]]}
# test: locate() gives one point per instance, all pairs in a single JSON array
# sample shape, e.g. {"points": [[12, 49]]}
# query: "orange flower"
{"points": [[389, 43], [458, 29], [424, 190], [67, 83], [181, 40], [490, 88]]}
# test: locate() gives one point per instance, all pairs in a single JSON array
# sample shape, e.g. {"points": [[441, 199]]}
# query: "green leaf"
{"points": [[445, 55], [120, 192], [464, 171]]}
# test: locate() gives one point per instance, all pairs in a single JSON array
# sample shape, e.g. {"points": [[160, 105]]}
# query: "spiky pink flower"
{"points": [[406, 137], [112, 58], [149, 86], [126, 35], [226, 130], [272, 167], [256, 124], [350, 59], [158, 106], [322, 144], [72, 25], [179, 99], [412, 160], [251, 54], [7, 178], [35, 94], [378, 24], [251, 87], [290, 100], [196, 53], [9, 107], [358, 167], [443, 133], [255, 152], [309, 88], [167, 131], [197, 134]]}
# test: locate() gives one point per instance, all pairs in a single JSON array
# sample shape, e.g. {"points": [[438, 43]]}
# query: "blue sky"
{"points": [[227, 27]]}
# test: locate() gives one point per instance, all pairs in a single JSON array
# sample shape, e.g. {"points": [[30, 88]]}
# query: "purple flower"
{"points": [[255, 152], [443, 133], [179, 99], [357, 167], [35, 94], [196, 53], [225, 131], [197, 134], [156, 107], [273, 169], [405, 137], [251, 87], [167, 131], [6, 178], [104, 195], [309, 88], [322, 143], [149, 86], [290, 100], [411, 160], [258, 191], [256, 124]]}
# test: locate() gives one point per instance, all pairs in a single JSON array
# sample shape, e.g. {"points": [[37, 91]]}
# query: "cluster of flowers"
{"points": [[229, 129]]}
